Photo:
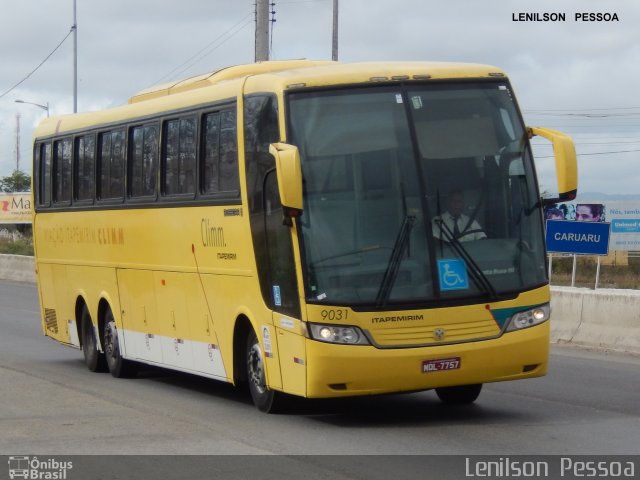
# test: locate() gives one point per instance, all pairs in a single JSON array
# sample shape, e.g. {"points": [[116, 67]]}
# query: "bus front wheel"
{"points": [[267, 400], [94, 360], [118, 366], [460, 395]]}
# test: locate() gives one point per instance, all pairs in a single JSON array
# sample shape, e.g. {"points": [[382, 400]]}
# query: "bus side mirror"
{"points": [[289, 173], [564, 152]]}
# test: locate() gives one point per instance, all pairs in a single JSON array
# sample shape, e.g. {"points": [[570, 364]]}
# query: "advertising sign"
{"points": [[624, 216], [625, 225], [15, 208]]}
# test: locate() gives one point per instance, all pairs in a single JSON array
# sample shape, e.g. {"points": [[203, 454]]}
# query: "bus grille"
{"points": [[438, 334], [51, 320]]}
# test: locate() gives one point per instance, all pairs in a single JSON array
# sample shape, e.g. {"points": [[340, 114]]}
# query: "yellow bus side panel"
{"points": [[247, 302], [139, 314], [291, 346], [166, 260], [56, 311], [60, 287]]}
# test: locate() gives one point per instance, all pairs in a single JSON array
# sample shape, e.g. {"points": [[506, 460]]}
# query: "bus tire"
{"points": [[118, 366], [93, 359], [265, 399], [460, 395]]}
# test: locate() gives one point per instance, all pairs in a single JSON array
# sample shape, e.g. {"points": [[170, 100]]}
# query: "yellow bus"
{"points": [[285, 225]]}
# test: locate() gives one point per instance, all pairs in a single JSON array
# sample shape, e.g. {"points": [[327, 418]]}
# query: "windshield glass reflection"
{"points": [[416, 195]]}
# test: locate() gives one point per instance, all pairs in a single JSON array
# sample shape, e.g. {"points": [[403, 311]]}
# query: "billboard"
{"points": [[623, 215], [15, 207]]}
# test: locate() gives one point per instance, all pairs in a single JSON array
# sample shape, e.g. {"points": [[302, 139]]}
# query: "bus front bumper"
{"points": [[340, 370]]}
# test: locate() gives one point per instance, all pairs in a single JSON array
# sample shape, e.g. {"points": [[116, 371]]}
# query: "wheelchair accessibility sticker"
{"points": [[453, 274]]}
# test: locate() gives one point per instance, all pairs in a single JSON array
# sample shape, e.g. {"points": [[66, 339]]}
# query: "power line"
{"points": [[581, 109], [596, 153], [36, 69], [585, 115], [635, 142], [587, 125], [294, 2], [200, 54], [605, 136], [590, 121]]}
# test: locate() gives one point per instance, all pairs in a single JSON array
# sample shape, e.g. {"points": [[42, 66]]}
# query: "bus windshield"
{"points": [[416, 195]]}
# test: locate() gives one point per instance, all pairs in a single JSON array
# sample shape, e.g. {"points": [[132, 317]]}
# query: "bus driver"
{"points": [[457, 223]]}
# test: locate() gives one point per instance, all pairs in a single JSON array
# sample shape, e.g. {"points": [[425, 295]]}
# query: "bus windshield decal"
{"points": [[453, 274]]}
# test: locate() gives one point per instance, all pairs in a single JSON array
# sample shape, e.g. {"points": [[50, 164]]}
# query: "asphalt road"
{"points": [[588, 404]]}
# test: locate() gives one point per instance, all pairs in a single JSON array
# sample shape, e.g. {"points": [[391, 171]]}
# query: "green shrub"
{"points": [[20, 246], [611, 276]]}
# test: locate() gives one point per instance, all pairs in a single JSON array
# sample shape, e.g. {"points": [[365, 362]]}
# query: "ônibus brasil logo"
{"points": [[37, 469]]}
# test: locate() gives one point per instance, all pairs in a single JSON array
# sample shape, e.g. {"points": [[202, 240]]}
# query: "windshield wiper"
{"points": [[477, 274], [390, 275]]}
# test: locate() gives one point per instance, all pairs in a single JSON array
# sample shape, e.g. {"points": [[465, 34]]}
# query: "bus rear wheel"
{"points": [[267, 400], [94, 360], [118, 366], [460, 395]]}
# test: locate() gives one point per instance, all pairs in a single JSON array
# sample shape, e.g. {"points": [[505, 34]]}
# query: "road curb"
{"points": [[17, 268], [603, 318]]}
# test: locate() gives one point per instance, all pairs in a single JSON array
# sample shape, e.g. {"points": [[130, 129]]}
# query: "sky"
{"points": [[574, 76]]}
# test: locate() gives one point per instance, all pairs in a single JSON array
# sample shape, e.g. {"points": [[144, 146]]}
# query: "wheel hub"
{"points": [[256, 369]]}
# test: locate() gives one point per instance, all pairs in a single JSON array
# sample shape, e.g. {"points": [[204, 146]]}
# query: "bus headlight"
{"points": [[347, 335], [529, 318]]}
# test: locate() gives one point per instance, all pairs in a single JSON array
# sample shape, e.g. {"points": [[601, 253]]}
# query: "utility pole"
{"points": [[334, 46], [17, 142], [262, 30], [74, 27]]}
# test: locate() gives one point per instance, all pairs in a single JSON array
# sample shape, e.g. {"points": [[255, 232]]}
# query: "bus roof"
{"points": [[264, 77], [316, 73], [218, 76], [335, 73]]}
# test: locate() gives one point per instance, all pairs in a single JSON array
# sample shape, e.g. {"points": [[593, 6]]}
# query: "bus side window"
{"points": [[62, 171], [270, 238], [43, 174], [220, 153], [111, 165], [179, 156], [229, 177], [279, 246], [143, 160], [211, 152], [84, 168]]}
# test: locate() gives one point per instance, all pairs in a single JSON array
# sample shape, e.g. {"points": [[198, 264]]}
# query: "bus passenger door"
{"points": [[285, 300]]}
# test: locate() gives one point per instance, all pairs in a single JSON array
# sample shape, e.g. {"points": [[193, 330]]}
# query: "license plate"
{"points": [[440, 364]]}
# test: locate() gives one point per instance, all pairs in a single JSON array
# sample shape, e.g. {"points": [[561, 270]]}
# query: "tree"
{"points": [[18, 181]]}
